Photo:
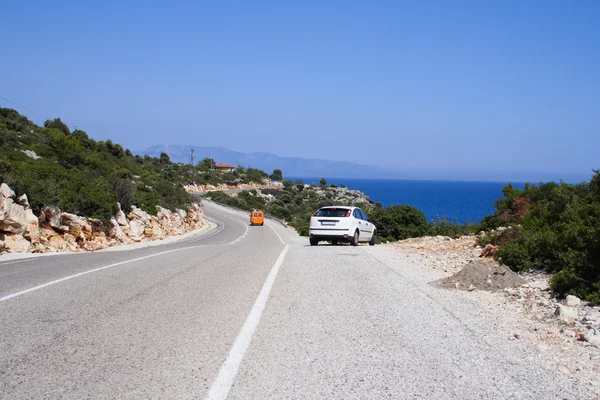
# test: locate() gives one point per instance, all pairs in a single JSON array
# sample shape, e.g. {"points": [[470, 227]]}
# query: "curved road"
{"points": [[248, 312]]}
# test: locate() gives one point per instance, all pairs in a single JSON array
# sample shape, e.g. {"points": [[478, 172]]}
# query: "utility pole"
{"points": [[192, 157]]}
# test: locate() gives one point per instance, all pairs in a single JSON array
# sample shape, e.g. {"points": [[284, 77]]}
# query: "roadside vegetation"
{"points": [[56, 166], [554, 227]]}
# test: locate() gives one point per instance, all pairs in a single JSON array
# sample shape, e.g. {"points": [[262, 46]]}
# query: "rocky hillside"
{"points": [[56, 166], [53, 230]]}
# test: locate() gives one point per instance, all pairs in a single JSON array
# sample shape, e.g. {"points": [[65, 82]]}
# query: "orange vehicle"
{"points": [[257, 217]]}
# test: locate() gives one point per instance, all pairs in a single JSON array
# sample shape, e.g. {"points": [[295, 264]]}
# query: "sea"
{"points": [[457, 201]]}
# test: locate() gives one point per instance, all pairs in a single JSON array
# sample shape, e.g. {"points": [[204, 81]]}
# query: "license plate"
{"points": [[327, 223]]}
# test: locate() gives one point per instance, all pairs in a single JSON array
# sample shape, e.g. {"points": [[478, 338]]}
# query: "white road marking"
{"points": [[222, 384], [269, 225], [66, 278], [220, 227], [244, 235]]}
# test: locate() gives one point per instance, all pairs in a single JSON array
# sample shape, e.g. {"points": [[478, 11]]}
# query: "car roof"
{"points": [[350, 207]]}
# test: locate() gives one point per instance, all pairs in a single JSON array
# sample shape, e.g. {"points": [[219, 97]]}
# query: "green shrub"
{"points": [[80, 175], [558, 231], [444, 227], [399, 222]]}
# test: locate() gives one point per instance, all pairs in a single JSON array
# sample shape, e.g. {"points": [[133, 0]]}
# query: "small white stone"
{"points": [[566, 314], [594, 340], [573, 301]]}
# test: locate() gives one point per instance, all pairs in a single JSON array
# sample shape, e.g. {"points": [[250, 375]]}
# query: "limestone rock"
{"points": [[120, 217], [572, 301], [32, 227], [6, 192], [50, 215], [15, 243], [136, 230], [57, 243], [566, 314], [22, 200], [114, 231], [98, 243], [594, 340], [77, 226], [13, 218], [138, 214], [31, 154], [489, 251]]}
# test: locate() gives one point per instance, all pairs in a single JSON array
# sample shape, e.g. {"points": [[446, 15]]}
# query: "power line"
{"points": [[24, 108]]}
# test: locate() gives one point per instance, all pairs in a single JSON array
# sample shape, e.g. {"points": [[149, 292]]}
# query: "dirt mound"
{"points": [[479, 276]]}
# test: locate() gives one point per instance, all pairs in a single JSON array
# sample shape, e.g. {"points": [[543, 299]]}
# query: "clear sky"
{"points": [[468, 88]]}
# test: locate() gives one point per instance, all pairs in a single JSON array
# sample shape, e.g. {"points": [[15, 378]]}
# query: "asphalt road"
{"points": [[250, 312]]}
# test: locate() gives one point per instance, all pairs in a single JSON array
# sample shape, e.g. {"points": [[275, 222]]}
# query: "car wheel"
{"points": [[313, 242], [354, 240], [334, 242], [373, 238]]}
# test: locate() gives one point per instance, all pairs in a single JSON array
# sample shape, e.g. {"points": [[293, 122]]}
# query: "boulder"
{"points": [[97, 227], [98, 243], [77, 226], [6, 192], [138, 214], [50, 215], [71, 242], [489, 251], [573, 301], [22, 200], [121, 218], [163, 212], [31, 154], [58, 243], [114, 231], [13, 217], [566, 314], [32, 227], [136, 230], [15, 243]]}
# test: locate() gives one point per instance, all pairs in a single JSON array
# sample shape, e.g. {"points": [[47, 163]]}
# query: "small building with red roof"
{"points": [[225, 167]]}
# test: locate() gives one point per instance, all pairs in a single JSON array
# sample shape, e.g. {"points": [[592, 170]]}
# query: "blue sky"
{"points": [[465, 89]]}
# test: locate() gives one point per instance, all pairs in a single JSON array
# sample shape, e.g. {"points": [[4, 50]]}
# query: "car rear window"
{"points": [[332, 212]]}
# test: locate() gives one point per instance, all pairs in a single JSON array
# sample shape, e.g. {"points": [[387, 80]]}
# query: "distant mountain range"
{"points": [[290, 166]]}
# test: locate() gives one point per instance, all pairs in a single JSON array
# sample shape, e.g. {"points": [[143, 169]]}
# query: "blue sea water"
{"points": [[464, 201]]}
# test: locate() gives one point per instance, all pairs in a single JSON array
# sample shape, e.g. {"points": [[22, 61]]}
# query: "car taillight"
{"points": [[348, 213], [315, 213]]}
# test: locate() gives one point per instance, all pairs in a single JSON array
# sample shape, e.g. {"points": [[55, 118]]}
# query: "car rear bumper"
{"points": [[330, 234]]}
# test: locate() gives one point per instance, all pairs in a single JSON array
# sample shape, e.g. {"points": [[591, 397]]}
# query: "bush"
{"points": [[399, 222], [557, 229], [83, 176], [443, 227]]}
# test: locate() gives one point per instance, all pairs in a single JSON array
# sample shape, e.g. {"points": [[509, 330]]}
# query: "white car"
{"points": [[340, 223]]}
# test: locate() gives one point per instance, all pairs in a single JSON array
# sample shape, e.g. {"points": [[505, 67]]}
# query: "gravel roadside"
{"points": [[522, 318]]}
